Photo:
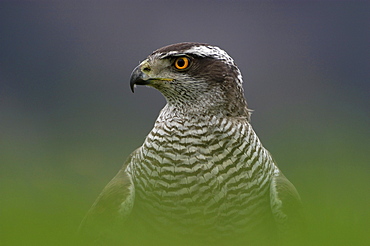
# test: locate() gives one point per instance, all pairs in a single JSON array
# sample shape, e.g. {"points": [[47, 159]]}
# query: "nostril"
{"points": [[146, 69]]}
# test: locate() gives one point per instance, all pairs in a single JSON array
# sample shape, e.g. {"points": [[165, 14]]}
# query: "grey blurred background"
{"points": [[68, 118]]}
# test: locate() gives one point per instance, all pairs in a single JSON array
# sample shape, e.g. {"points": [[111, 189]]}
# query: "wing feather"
{"points": [[111, 208], [286, 208]]}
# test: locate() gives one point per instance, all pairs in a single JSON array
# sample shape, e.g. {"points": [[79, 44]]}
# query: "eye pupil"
{"points": [[182, 63]]}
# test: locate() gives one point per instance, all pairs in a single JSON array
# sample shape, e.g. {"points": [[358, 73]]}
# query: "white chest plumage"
{"points": [[208, 172]]}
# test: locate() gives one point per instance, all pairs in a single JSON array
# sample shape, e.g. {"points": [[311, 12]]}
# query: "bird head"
{"points": [[194, 78]]}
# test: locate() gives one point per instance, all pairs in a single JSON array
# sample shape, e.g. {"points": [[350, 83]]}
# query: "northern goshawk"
{"points": [[201, 175]]}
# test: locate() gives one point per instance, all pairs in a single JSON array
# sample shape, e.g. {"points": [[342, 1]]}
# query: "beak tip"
{"points": [[136, 78], [132, 86]]}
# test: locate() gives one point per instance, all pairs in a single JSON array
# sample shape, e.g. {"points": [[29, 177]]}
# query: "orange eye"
{"points": [[182, 63]]}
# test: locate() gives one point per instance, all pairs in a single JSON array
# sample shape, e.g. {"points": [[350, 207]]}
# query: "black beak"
{"points": [[138, 78]]}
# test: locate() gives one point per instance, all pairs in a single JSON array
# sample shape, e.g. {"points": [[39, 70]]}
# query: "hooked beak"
{"points": [[138, 78]]}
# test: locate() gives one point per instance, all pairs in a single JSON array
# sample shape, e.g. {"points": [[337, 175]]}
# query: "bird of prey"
{"points": [[202, 175]]}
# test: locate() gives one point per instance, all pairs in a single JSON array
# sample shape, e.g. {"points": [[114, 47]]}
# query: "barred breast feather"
{"points": [[204, 172]]}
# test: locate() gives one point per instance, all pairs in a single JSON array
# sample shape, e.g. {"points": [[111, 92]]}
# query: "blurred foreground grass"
{"points": [[44, 195]]}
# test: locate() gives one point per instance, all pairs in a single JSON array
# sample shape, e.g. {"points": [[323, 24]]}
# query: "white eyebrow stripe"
{"points": [[171, 53], [203, 51], [211, 51]]}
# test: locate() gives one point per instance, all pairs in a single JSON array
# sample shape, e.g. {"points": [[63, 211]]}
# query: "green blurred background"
{"points": [[68, 119]]}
